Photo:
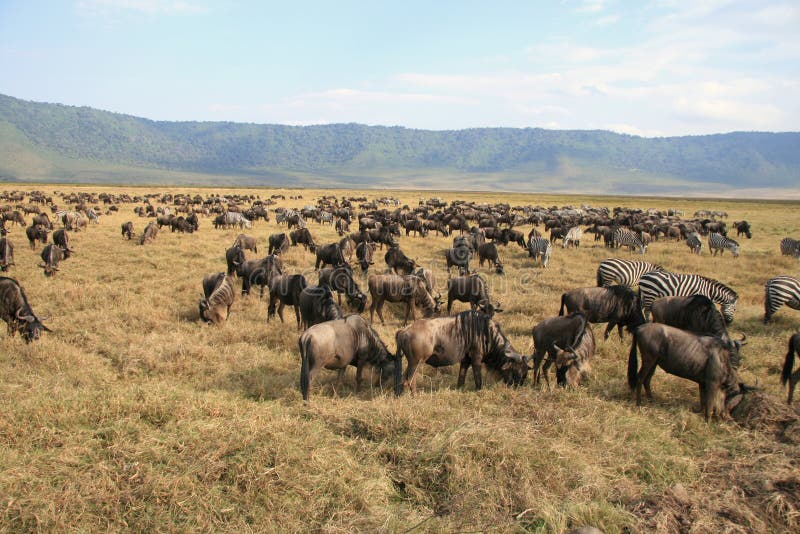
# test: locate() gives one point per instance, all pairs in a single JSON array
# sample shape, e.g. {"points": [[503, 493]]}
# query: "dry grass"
{"points": [[134, 416]]}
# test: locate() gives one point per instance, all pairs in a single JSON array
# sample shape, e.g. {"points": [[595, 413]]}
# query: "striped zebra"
{"points": [[720, 243], [233, 218], [694, 243], [779, 291], [790, 247], [657, 284], [624, 237], [540, 246], [573, 237], [625, 272]]}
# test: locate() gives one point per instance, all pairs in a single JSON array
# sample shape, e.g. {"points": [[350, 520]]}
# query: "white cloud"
{"points": [[147, 7], [590, 6], [607, 20]]}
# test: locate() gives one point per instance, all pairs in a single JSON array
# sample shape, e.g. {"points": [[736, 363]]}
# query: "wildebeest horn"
{"points": [[42, 264], [46, 317], [557, 347], [22, 317], [743, 341]]}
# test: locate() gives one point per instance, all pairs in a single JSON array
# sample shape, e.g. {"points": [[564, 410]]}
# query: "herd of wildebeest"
{"points": [[687, 337]]}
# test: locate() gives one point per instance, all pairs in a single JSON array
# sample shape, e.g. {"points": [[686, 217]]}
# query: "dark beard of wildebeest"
{"points": [[705, 360], [286, 289], [364, 252], [317, 305], [459, 257], [127, 230], [398, 262], [488, 252], [616, 305], [36, 232], [278, 243], [16, 312], [472, 289], [469, 338], [561, 331], [396, 288], [788, 363], [6, 254], [51, 255], [247, 243], [696, 314], [259, 273], [341, 342], [573, 364], [234, 257], [330, 254], [219, 296], [340, 279], [303, 237]]}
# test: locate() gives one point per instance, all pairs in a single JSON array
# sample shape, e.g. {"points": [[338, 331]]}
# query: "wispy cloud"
{"points": [[147, 7]]}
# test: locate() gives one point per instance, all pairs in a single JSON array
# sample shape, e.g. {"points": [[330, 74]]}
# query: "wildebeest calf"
{"points": [[555, 331]]}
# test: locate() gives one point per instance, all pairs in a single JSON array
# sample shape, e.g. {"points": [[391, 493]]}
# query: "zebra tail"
{"points": [[633, 364], [788, 363]]}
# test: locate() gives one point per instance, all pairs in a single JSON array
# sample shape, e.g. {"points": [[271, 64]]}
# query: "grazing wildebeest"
{"points": [[150, 232], [17, 313], [396, 288], [342, 227], [416, 226], [278, 243], [286, 288], [469, 338], [786, 374], [6, 254], [44, 220], [302, 236], [488, 252], [340, 279], [348, 246], [259, 273], [458, 256], [330, 254], [472, 289], [616, 305], [573, 363], [696, 314], [234, 257], [341, 342], [706, 360], [36, 232], [15, 218], [398, 262], [127, 230], [51, 255], [564, 331], [429, 278], [743, 227], [61, 238], [181, 225], [247, 242], [219, 295], [317, 305], [163, 220], [364, 251]]}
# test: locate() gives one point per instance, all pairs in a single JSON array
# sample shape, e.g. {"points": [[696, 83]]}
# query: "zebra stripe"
{"points": [[573, 237], [720, 243], [625, 272], [694, 243], [539, 246], [657, 284], [623, 237], [790, 247], [779, 291]]}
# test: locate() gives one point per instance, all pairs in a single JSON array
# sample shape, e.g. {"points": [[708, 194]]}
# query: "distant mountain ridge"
{"points": [[54, 142]]}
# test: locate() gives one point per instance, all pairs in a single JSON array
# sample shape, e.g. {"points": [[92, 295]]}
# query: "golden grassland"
{"points": [[133, 415]]}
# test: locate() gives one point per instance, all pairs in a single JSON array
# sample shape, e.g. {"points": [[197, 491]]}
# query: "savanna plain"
{"points": [[135, 415]]}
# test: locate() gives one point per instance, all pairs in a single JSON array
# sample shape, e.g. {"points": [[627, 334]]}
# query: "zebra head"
{"points": [[728, 309]]}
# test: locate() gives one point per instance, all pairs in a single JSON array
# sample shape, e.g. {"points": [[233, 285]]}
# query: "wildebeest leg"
{"points": [[379, 309], [546, 368], [449, 304], [280, 310], [409, 309], [609, 328], [645, 376], [478, 376], [462, 372], [793, 380], [297, 315], [410, 379], [619, 330], [537, 361]]}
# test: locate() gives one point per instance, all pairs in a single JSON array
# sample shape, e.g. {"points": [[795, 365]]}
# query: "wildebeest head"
{"points": [[357, 301], [515, 370], [498, 267], [568, 367], [30, 326], [489, 309]]}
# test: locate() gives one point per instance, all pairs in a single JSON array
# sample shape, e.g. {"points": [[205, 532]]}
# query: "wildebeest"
{"points": [[330, 254], [17, 313], [181, 225], [340, 279], [429, 278], [471, 288], [234, 257], [127, 230], [364, 251], [458, 256], [6, 254], [342, 227], [36, 232], [616, 305], [703, 359], [286, 288], [219, 295], [150, 232], [488, 252], [696, 314], [563, 331], [786, 374], [247, 242], [14, 217], [259, 273], [278, 243], [51, 255], [743, 227], [317, 305], [469, 338], [302, 236], [398, 262], [573, 363], [44, 220], [396, 288], [61, 238], [350, 341]]}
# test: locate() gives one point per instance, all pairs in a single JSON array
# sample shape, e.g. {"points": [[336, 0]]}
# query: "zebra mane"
{"points": [[722, 287]]}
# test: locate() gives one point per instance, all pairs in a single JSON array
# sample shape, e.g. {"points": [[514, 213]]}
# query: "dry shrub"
{"points": [[762, 412]]}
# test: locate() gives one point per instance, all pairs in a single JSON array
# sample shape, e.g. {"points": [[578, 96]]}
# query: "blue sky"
{"points": [[645, 68]]}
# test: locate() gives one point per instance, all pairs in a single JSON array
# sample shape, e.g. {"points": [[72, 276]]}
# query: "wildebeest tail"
{"points": [[398, 373], [599, 278], [788, 363], [633, 363], [561, 310], [303, 344]]}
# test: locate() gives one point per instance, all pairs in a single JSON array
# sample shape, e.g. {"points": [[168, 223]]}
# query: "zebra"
{"points": [[233, 218], [540, 246], [720, 243], [790, 247], [623, 237], [625, 272], [573, 237], [325, 217], [657, 284], [92, 216], [694, 243], [779, 291]]}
